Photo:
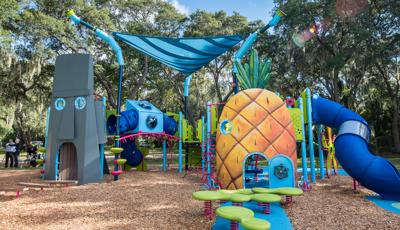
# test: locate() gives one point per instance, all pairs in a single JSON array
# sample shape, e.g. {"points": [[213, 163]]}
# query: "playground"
{"points": [[203, 131], [166, 202]]}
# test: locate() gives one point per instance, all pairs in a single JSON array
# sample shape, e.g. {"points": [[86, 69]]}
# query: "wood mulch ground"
{"points": [[333, 204], [154, 200]]}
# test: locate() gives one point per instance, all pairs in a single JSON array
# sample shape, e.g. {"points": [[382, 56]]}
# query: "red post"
{"points": [[266, 208], [208, 211], [234, 225], [354, 184], [18, 194], [288, 199], [237, 204]]}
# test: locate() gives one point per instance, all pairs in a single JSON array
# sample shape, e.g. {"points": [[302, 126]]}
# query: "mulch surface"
{"points": [[156, 200], [333, 204]]}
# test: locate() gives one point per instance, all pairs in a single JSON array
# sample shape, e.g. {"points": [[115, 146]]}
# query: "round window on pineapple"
{"points": [[225, 127]]}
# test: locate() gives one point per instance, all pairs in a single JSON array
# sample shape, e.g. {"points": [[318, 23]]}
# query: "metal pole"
{"points": [[303, 142], [180, 143], [164, 155], [117, 136], [202, 145], [310, 135], [118, 52], [103, 100], [46, 140], [186, 88], [208, 161], [320, 154], [187, 129]]}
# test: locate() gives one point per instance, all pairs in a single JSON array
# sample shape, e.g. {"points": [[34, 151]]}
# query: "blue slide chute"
{"points": [[352, 152]]}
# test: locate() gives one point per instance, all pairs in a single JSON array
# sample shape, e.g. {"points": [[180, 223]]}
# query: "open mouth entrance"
{"points": [[68, 162]]}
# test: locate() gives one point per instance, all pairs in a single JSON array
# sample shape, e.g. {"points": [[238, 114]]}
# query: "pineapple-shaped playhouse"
{"points": [[255, 136]]}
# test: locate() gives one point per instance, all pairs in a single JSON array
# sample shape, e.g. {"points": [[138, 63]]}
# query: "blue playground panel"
{"points": [[150, 118], [278, 217], [385, 204]]}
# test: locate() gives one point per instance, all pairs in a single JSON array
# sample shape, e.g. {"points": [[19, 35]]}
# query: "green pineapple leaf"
{"points": [[255, 73]]}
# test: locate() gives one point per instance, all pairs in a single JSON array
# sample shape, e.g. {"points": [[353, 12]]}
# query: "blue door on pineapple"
{"points": [[281, 172]]}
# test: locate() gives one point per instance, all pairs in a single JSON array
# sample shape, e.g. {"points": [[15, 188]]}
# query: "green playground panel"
{"points": [[253, 223], [239, 197], [226, 191], [234, 213], [187, 131], [199, 130], [295, 114], [304, 97], [245, 191], [175, 116], [264, 197], [209, 195], [287, 191], [214, 119]]}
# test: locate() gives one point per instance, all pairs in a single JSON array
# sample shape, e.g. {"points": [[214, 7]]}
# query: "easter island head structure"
{"points": [[77, 124]]}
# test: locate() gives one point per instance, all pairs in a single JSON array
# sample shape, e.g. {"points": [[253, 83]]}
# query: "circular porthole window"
{"points": [[151, 122], [80, 103], [59, 104], [225, 127]]}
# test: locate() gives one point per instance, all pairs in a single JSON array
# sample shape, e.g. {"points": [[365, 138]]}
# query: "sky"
{"points": [[252, 9]]}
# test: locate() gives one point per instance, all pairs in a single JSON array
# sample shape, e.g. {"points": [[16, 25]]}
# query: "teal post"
{"points": [[208, 133], [164, 162], [46, 133], [180, 143], [203, 149], [103, 100], [310, 135], [320, 154], [303, 142]]}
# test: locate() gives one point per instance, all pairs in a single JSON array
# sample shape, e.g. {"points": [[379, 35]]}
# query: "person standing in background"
{"points": [[10, 151], [17, 151]]}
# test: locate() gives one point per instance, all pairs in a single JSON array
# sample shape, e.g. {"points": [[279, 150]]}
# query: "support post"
{"points": [[208, 133], [186, 107], [320, 154], [46, 131], [303, 142], [310, 135], [103, 100], [180, 143], [164, 155], [203, 148]]}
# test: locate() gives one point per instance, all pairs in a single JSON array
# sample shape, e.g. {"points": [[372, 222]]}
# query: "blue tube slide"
{"points": [[352, 152], [127, 122]]}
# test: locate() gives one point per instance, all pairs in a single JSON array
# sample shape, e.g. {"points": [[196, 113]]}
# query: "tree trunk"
{"points": [[140, 82], [395, 126], [217, 87]]}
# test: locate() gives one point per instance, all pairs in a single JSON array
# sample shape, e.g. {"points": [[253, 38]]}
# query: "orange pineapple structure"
{"points": [[259, 121]]}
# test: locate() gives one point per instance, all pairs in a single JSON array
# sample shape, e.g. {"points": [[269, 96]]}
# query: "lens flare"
{"points": [[350, 8], [300, 39]]}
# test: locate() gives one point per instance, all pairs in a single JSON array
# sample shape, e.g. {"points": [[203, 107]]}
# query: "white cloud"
{"points": [[180, 7]]}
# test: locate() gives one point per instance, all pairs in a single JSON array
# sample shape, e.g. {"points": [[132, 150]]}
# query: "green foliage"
{"points": [[354, 60], [254, 74]]}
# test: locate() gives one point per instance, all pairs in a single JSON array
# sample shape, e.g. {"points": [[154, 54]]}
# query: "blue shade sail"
{"points": [[186, 55]]}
